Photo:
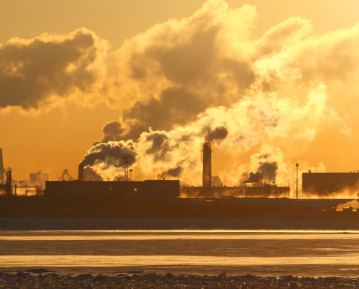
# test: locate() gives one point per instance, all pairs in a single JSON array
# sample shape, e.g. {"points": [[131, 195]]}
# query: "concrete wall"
{"points": [[146, 189], [326, 184]]}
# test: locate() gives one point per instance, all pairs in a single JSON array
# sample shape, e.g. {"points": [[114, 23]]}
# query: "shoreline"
{"points": [[121, 223], [43, 278]]}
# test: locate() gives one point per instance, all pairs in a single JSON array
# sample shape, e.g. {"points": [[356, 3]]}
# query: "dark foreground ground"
{"points": [[114, 206], [262, 222], [41, 278]]}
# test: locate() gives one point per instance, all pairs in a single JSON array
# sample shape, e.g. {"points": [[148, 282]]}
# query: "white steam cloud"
{"points": [[185, 81]]}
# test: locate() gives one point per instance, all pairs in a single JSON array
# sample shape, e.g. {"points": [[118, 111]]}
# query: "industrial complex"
{"points": [[209, 190], [329, 196], [314, 185]]}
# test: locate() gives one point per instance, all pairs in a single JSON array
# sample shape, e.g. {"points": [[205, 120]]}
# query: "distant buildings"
{"points": [[39, 178]]}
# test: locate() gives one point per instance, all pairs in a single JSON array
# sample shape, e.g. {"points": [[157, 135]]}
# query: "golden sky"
{"points": [[281, 79]]}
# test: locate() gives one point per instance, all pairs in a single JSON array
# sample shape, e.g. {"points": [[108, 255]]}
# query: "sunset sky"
{"points": [[264, 81]]}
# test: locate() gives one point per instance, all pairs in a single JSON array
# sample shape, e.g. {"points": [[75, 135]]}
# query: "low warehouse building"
{"points": [[148, 189], [330, 184], [237, 192]]}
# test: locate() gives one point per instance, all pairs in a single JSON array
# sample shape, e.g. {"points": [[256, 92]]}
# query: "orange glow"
{"points": [[283, 85]]}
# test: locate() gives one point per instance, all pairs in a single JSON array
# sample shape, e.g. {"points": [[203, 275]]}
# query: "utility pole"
{"points": [[296, 192]]}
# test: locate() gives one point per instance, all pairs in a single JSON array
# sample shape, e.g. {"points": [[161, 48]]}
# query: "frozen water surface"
{"points": [[309, 253]]}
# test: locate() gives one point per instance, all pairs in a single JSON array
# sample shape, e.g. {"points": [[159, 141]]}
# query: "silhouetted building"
{"points": [[9, 181], [145, 190], [330, 184], [39, 178], [238, 192]]}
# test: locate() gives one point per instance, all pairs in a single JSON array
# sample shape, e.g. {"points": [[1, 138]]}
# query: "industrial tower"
{"points": [[207, 169]]}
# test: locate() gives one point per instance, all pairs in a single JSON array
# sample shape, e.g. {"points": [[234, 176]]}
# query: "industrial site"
{"points": [[255, 196]]}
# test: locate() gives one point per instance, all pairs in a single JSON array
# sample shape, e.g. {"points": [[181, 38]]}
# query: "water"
{"points": [[269, 253]]}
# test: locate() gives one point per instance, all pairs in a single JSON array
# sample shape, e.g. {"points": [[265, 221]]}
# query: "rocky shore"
{"points": [[42, 278]]}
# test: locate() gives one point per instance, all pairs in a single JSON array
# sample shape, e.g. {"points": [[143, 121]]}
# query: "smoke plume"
{"points": [[260, 100], [171, 173], [269, 171], [218, 133], [112, 131], [109, 159], [50, 67], [254, 178]]}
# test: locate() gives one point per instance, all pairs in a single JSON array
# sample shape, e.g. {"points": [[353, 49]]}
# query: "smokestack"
{"points": [[81, 172], [207, 166], [8, 181], [2, 171]]}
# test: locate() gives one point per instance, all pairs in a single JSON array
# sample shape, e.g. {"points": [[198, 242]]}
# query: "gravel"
{"points": [[169, 280]]}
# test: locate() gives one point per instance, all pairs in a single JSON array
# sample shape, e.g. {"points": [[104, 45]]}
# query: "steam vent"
{"points": [[207, 166]]}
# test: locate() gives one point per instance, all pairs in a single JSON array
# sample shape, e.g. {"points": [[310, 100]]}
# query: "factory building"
{"points": [[149, 189], [214, 191], [39, 178], [6, 187], [266, 191], [162, 188], [330, 184]]}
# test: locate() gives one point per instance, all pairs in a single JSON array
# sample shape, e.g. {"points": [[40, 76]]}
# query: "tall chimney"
{"points": [[2, 171], [81, 173], [207, 166], [8, 181]]}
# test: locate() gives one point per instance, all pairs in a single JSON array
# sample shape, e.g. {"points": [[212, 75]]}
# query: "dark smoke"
{"points": [[269, 171], [160, 145], [111, 154], [41, 69], [175, 107], [90, 175], [254, 178], [219, 133], [174, 173], [112, 131], [190, 66], [266, 171]]}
